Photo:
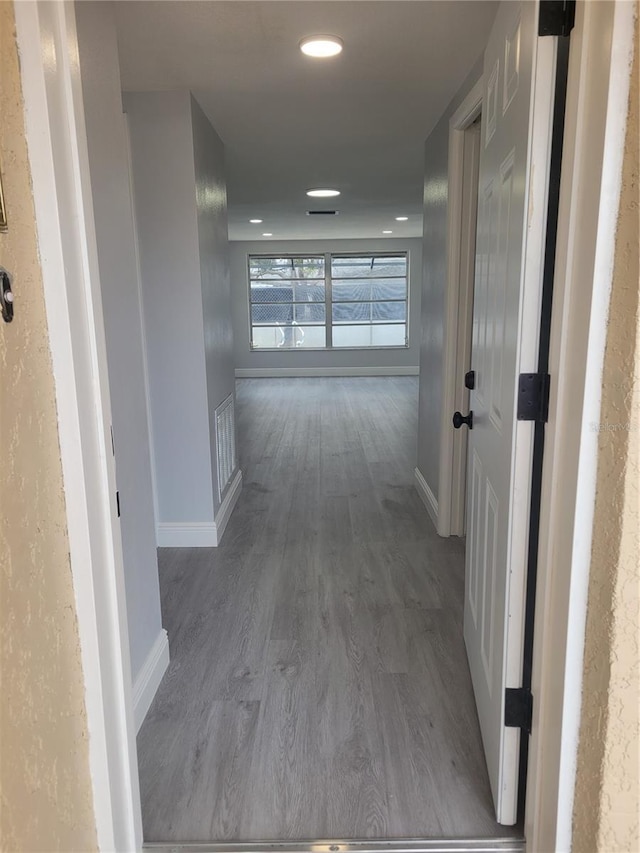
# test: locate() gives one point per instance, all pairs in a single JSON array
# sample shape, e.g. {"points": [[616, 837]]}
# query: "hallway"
{"points": [[318, 685]]}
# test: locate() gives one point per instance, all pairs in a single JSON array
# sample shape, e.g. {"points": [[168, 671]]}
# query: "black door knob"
{"points": [[470, 380], [459, 419]]}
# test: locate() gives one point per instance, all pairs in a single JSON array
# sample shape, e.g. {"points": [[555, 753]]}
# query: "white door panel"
{"points": [[510, 241]]}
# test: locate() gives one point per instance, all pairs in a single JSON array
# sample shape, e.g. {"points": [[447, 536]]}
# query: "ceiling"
{"points": [[356, 122]]}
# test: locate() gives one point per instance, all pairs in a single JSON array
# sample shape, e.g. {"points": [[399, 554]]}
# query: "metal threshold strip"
{"points": [[390, 845]]}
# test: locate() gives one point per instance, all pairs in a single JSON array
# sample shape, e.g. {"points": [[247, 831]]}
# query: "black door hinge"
{"points": [[118, 503], [557, 17], [533, 397], [518, 708]]}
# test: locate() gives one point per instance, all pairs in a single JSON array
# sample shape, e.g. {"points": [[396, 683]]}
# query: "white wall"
{"points": [[167, 224], [108, 161], [247, 361], [213, 242], [434, 280], [181, 214]]}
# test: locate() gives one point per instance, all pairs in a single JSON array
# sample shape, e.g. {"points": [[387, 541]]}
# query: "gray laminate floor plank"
{"points": [[318, 684]]}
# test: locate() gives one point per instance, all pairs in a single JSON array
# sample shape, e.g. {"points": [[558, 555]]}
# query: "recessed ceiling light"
{"points": [[267, 234], [401, 218], [255, 221], [323, 193], [321, 47], [387, 232]]}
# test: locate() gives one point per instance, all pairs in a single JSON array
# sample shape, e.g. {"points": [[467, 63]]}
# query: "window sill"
{"points": [[327, 349]]}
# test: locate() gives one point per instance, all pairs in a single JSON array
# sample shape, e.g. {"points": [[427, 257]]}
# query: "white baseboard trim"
{"points": [[183, 534], [228, 504], [201, 534], [149, 678], [426, 495], [274, 372]]}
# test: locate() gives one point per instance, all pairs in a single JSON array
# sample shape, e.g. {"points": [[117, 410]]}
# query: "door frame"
{"points": [[58, 156], [56, 140], [595, 124], [458, 295]]}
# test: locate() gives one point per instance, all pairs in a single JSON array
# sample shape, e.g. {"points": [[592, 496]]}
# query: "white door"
{"points": [[512, 192]]}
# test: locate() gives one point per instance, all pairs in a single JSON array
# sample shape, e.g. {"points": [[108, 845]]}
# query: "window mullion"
{"points": [[328, 301]]}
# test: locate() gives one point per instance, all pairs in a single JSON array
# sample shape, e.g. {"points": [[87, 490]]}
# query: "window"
{"points": [[369, 300], [287, 302], [328, 301]]}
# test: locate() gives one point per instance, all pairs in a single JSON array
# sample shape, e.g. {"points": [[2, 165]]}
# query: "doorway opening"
{"points": [[466, 270], [289, 614], [233, 705], [463, 160]]}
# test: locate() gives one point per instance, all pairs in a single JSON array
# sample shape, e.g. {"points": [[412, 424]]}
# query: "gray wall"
{"points": [[434, 279], [213, 242], [181, 214], [247, 360], [167, 222], [109, 168]]}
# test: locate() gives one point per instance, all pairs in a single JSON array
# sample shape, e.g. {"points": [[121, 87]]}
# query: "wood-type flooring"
{"points": [[318, 684]]}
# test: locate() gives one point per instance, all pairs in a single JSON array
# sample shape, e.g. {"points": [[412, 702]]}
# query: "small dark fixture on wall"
{"points": [[6, 296], [322, 212]]}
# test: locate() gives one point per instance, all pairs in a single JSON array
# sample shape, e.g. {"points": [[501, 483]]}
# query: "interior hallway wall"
{"points": [[213, 243], [246, 361], [180, 211], [606, 813], [167, 225], [109, 168], [45, 784], [434, 282]]}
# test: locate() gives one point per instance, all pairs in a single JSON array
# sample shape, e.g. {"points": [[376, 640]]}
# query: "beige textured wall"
{"points": [[45, 792], [607, 800]]}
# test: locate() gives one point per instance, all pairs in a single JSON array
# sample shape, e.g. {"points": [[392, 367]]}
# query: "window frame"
{"points": [[328, 299]]}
